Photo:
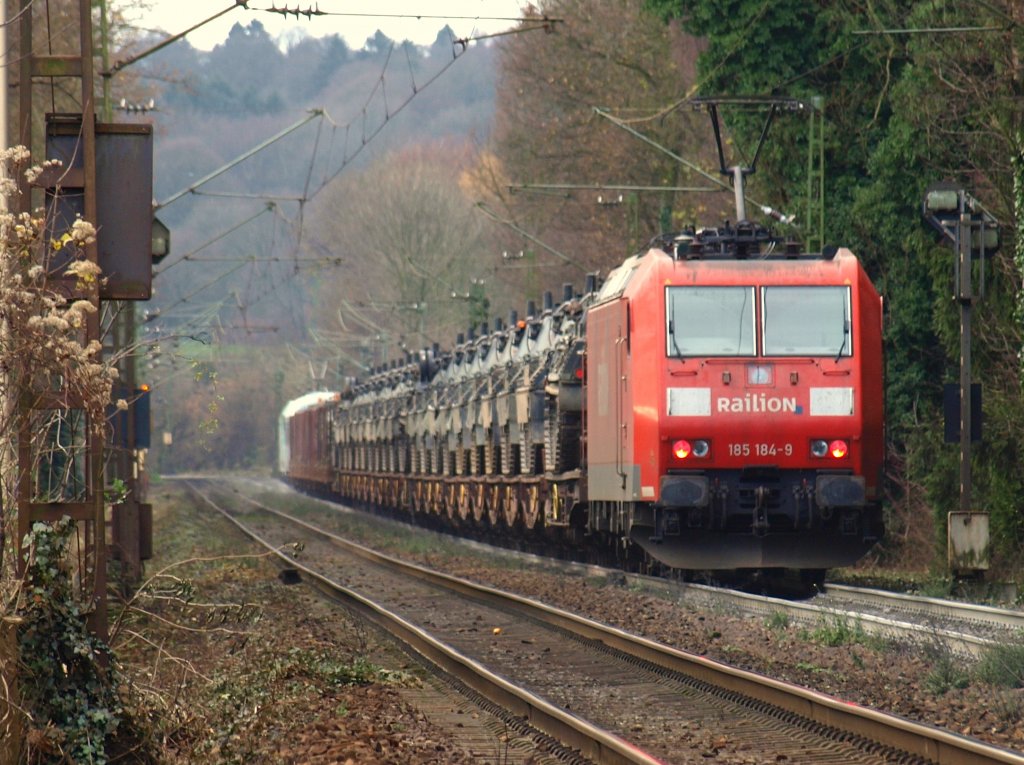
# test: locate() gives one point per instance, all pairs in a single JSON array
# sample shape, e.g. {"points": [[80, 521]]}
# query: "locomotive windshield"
{"points": [[806, 321], [710, 321]]}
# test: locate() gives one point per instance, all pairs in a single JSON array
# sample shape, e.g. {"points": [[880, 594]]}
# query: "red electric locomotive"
{"points": [[734, 407]]}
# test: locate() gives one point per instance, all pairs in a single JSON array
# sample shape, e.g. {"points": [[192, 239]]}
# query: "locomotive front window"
{"points": [[710, 321], [806, 321]]}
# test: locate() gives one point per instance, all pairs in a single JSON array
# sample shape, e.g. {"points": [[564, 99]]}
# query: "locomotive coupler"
{"points": [[719, 508], [803, 502]]}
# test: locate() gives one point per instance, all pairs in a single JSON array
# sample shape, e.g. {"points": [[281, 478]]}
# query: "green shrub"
{"points": [[946, 674], [778, 621], [1002, 665], [69, 686], [837, 631]]}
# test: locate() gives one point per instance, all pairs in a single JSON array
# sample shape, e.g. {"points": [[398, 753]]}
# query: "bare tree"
{"points": [[617, 57], [409, 238]]}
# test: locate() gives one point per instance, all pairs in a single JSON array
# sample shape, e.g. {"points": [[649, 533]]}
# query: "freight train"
{"points": [[715, 404]]}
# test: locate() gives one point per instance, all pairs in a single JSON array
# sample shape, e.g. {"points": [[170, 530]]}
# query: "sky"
{"points": [[481, 17]]}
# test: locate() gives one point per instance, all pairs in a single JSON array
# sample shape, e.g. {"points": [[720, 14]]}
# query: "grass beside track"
{"points": [[241, 668]]}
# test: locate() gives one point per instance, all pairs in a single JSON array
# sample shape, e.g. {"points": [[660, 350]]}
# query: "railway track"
{"points": [[555, 670], [999, 623], [957, 628], [961, 629]]}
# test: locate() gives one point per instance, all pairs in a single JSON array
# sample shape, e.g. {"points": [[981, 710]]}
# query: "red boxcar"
{"points": [[304, 441]]}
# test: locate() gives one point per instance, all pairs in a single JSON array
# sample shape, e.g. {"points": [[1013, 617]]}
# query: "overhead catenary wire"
{"points": [[312, 185], [665, 150], [311, 11], [188, 255], [482, 207], [347, 157], [366, 138], [932, 30], [311, 115], [119, 65]]}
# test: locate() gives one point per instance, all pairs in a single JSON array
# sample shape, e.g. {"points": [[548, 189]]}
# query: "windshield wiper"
{"points": [[672, 328], [846, 335]]}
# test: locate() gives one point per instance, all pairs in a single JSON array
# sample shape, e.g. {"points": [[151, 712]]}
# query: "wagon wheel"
{"points": [[440, 498], [451, 504], [494, 503], [438, 505], [531, 509], [479, 501], [419, 498], [510, 506], [435, 499], [464, 502], [553, 506]]}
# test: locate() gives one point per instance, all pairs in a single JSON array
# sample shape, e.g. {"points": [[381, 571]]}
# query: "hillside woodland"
{"points": [[418, 207]]}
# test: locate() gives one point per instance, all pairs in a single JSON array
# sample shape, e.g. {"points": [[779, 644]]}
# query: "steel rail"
{"points": [[959, 643], [969, 612], [940, 746], [592, 742]]}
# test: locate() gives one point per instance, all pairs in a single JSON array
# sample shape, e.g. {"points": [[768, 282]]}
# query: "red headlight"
{"points": [[838, 449], [682, 448]]}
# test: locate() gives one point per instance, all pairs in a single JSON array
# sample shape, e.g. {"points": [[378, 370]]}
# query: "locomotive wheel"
{"points": [[479, 502], [494, 503], [531, 508]]}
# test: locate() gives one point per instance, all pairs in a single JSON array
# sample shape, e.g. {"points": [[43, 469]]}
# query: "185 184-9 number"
{"points": [[760, 450]]}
